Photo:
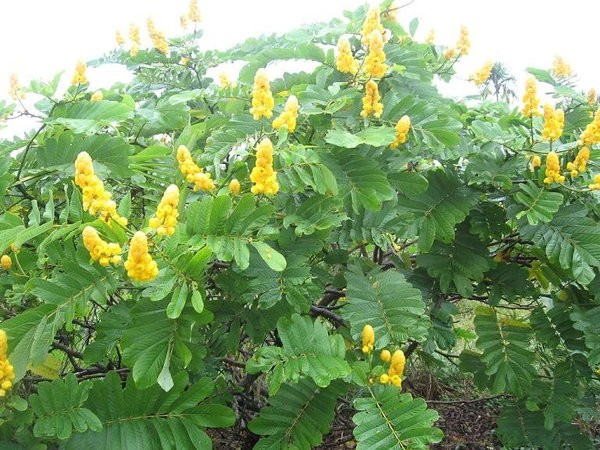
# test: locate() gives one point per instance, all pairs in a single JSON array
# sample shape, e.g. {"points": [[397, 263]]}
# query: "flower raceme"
{"points": [[263, 176], [96, 96], [7, 372], [560, 68], [591, 134], [371, 104], [15, 91], [95, 199], [289, 115], [430, 38], [166, 213], [191, 172], [553, 169], [104, 252], [595, 186], [262, 98], [592, 97], [140, 265], [580, 163], [158, 38], [134, 37], [368, 339], [372, 22], [536, 161], [531, 102], [345, 61], [79, 75], [234, 186], [375, 66], [224, 80], [193, 12], [481, 76], [5, 262], [119, 38], [449, 53], [402, 128], [464, 43], [554, 121]]}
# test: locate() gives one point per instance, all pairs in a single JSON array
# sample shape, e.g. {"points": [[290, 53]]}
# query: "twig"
{"points": [[324, 312], [472, 400]]}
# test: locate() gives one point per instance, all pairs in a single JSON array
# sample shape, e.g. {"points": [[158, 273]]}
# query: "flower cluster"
{"points": [[397, 363], [262, 98], [592, 97], [134, 37], [7, 372], [595, 186], [375, 66], [536, 161], [166, 213], [481, 76], [263, 176], [96, 96], [372, 22], [449, 53], [119, 38], [95, 199], [368, 339], [289, 115], [5, 262], [579, 164], [345, 61], [402, 128], [553, 169], [100, 250], [191, 172], [234, 186], [140, 265], [371, 104], [554, 121], [464, 43], [193, 12], [79, 75], [430, 37], [531, 102], [591, 134], [224, 80], [560, 68], [15, 91], [158, 38]]}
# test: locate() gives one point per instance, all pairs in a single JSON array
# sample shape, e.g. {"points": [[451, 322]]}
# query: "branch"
{"points": [[324, 312], [472, 400]]}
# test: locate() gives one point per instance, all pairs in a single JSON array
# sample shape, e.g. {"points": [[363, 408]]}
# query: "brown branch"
{"points": [[324, 312], [472, 400]]}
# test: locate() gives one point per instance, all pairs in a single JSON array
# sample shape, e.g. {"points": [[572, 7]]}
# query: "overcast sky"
{"points": [[40, 37]]}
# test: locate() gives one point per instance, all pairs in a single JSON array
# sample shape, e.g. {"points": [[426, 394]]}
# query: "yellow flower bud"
{"points": [[368, 338], [5, 262], [385, 356], [234, 186]]}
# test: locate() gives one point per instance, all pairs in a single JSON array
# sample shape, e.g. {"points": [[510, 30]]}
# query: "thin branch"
{"points": [[472, 400], [324, 312]]}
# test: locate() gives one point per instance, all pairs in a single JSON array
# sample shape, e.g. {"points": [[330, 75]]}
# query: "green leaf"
{"points": [[387, 419], [308, 351], [297, 416], [273, 258], [197, 301], [342, 138], [19, 235], [388, 303], [58, 408], [540, 204], [178, 300], [89, 117]]}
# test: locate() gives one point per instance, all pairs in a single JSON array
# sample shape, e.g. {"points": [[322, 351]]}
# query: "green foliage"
{"points": [[260, 300]]}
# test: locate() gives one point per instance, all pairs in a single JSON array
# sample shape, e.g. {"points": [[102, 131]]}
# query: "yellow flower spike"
{"points": [[430, 38], [560, 68], [262, 98], [134, 37], [15, 91], [371, 104], [96, 96], [158, 38], [481, 76], [592, 97], [375, 66], [368, 339], [595, 186], [166, 213], [7, 372], [464, 43], [372, 22], [183, 22], [385, 355], [5, 262], [119, 38], [234, 186], [224, 80], [191, 172], [449, 53], [79, 75], [580, 163], [591, 134], [100, 250], [184, 61], [554, 121], [345, 61], [263, 176], [95, 199], [289, 115], [553, 169], [536, 161], [402, 128], [396, 380], [397, 363], [140, 265], [531, 102], [194, 12]]}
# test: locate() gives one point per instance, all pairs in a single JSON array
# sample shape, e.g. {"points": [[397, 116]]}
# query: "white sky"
{"points": [[40, 37]]}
